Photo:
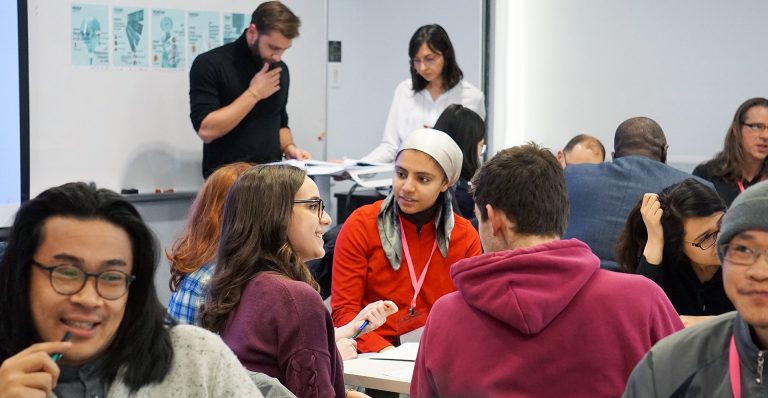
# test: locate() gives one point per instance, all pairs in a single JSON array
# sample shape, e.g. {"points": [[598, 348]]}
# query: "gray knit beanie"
{"points": [[748, 211]]}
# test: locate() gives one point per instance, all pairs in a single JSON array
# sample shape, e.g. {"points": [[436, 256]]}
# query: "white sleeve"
{"points": [[390, 141], [474, 99]]}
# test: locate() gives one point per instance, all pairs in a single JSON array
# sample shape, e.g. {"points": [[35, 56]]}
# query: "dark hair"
{"points": [[527, 183], [141, 346], [274, 15], [686, 199], [640, 136], [467, 128], [728, 162], [436, 38], [254, 238], [588, 141]]}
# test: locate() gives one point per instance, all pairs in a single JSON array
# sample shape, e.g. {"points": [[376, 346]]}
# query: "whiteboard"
{"points": [[130, 128]]}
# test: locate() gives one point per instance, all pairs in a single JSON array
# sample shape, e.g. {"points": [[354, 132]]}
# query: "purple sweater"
{"points": [[281, 328]]}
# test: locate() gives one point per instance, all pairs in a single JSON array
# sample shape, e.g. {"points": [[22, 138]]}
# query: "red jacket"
{"points": [[362, 274], [543, 321]]}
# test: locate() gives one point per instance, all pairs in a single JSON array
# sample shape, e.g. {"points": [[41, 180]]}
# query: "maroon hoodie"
{"points": [[543, 321]]}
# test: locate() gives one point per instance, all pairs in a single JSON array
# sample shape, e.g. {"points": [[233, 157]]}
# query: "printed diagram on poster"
{"points": [[234, 25], [129, 30], [89, 35], [168, 39], [203, 32]]}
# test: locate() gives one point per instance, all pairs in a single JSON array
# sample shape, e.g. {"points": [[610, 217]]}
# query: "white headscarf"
{"points": [[448, 155], [439, 146]]}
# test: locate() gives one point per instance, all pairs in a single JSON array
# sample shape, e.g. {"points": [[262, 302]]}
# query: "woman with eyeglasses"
{"points": [[670, 238], [436, 82], [262, 298], [744, 159]]}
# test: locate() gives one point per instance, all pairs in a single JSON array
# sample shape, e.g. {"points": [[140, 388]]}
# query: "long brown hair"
{"points": [[728, 163], [254, 238], [199, 242]]}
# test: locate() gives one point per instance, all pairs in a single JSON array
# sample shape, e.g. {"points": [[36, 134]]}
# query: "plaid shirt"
{"points": [[184, 305]]}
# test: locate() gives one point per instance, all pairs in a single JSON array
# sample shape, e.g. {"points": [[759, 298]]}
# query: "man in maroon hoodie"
{"points": [[535, 316]]}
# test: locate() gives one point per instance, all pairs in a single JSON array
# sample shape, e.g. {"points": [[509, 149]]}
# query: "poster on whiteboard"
{"points": [[90, 32], [168, 34], [129, 33], [234, 25], [203, 32]]}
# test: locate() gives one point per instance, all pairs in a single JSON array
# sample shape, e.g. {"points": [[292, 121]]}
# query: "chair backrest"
{"points": [[270, 387]]}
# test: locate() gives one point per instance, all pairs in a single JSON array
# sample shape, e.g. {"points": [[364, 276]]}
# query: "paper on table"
{"points": [[315, 167], [404, 373], [406, 352]]}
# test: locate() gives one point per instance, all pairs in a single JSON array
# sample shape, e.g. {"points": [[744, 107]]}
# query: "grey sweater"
{"points": [[203, 366], [694, 363]]}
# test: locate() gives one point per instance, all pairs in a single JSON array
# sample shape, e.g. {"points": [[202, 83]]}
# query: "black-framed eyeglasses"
{"points": [[315, 204], [68, 280], [706, 241], [742, 254], [756, 127]]}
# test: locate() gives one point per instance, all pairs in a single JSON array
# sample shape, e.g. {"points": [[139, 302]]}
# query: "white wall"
{"points": [[565, 67]]}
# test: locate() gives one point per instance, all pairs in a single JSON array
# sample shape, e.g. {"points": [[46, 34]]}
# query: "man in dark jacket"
{"points": [[724, 357]]}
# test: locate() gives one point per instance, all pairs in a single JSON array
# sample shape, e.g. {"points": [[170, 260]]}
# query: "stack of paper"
{"points": [[406, 352]]}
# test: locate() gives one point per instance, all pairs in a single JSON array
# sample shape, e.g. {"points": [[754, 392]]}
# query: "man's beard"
{"points": [[256, 54]]}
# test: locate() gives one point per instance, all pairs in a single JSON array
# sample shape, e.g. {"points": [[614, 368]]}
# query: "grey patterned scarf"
{"points": [[388, 222]]}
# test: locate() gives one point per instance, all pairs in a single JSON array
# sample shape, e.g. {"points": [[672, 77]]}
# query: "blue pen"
{"points": [[58, 355], [360, 329]]}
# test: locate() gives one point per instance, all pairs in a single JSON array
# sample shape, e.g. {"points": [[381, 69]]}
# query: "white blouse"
{"points": [[411, 111]]}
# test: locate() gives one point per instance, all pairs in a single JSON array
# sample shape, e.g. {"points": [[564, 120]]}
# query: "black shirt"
{"points": [[216, 79], [727, 189], [684, 289]]}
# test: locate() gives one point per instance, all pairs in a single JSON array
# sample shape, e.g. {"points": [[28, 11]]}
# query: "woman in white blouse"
{"points": [[436, 82]]}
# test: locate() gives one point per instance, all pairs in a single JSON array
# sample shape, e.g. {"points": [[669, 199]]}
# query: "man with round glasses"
{"points": [[79, 314], [725, 356]]}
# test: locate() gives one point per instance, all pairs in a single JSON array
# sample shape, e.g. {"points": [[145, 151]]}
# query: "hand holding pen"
{"points": [[373, 316], [33, 371], [360, 329]]}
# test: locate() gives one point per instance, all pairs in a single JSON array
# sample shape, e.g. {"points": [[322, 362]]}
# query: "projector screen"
{"points": [[14, 106]]}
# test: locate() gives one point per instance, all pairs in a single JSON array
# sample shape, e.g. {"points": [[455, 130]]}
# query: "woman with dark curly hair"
{"points": [[670, 238]]}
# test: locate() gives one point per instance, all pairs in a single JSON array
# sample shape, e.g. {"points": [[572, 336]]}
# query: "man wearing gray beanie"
{"points": [[726, 356]]}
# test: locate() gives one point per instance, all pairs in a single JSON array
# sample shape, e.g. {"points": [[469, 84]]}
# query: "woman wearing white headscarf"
{"points": [[401, 248]]}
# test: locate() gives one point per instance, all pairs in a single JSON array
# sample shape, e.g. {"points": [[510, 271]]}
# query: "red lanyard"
{"points": [[734, 370], [741, 185], [417, 284]]}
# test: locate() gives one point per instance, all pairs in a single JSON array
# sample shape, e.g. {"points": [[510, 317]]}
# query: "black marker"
{"points": [[58, 355]]}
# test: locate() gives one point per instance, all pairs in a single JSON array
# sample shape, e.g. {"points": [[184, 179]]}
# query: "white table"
{"points": [[373, 373]]}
